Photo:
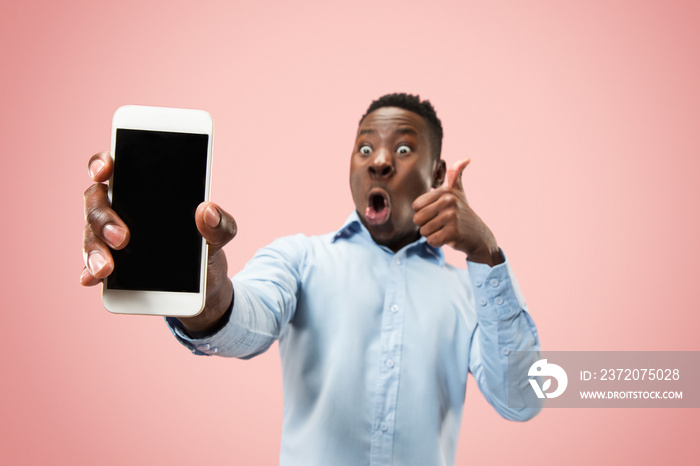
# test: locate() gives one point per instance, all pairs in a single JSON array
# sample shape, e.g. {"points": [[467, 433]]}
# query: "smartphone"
{"points": [[162, 168]]}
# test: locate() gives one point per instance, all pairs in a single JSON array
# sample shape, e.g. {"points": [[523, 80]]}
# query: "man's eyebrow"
{"points": [[406, 130]]}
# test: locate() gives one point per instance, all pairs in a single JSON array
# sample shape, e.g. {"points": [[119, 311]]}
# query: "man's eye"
{"points": [[403, 149], [365, 150]]}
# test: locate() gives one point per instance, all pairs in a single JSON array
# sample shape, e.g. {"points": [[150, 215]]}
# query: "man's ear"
{"points": [[439, 173]]}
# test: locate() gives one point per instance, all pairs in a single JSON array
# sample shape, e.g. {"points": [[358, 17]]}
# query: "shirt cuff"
{"points": [[201, 346], [241, 337], [496, 292], [178, 331]]}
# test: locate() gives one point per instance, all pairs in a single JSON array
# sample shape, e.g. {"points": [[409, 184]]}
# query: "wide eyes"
{"points": [[403, 149]]}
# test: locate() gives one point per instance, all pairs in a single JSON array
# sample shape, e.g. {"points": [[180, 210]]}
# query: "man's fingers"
{"points": [[86, 279], [214, 224], [100, 167], [97, 257], [104, 228], [454, 174], [446, 203], [427, 199], [432, 226], [429, 207], [102, 220], [453, 181]]}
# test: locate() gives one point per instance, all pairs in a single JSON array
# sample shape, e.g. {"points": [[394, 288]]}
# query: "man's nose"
{"points": [[382, 165]]}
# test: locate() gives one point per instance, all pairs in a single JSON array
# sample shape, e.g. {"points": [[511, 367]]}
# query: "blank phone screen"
{"points": [[159, 180]]}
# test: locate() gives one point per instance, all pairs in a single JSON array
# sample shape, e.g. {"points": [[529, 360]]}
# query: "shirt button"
{"points": [[494, 282], [482, 301], [397, 261], [499, 300], [389, 363], [394, 308], [506, 351], [384, 426], [478, 283]]}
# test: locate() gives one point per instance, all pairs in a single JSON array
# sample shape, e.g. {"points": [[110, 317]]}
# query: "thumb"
{"points": [[215, 225], [454, 174]]}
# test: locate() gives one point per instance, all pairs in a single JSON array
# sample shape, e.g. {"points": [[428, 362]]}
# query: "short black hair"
{"points": [[412, 103]]}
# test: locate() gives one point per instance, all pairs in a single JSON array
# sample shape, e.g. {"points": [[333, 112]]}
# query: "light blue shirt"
{"points": [[375, 346]]}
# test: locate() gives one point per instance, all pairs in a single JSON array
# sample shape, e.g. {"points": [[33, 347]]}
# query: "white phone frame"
{"points": [[175, 304]]}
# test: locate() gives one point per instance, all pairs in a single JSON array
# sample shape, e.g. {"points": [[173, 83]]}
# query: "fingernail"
{"points": [[96, 262], [114, 235], [212, 217], [95, 167]]}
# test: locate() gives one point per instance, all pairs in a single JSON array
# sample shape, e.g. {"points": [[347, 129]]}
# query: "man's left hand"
{"points": [[444, 217]]}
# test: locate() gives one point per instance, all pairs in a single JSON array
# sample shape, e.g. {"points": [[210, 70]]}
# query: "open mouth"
{"points": [[378, 207]]}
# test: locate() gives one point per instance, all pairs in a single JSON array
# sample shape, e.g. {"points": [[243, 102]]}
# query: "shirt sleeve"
{"points": [[505, 335], [265, 297]]}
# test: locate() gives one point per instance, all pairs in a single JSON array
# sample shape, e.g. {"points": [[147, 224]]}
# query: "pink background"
{"points": [[582, 122]]}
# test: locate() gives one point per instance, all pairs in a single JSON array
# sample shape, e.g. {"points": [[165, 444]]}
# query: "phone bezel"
{"points": [[175, 304]]}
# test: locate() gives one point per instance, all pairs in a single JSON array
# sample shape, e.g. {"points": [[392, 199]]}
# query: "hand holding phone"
{"points": [[157, 189]]}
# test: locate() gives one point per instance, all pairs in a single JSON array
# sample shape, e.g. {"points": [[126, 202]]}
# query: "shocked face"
{"points": [[391, 166]]}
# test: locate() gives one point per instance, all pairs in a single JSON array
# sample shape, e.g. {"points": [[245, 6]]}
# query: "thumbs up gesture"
{"points": [[445, 217]]}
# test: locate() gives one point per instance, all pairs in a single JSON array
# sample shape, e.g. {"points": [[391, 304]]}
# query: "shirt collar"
{"points": [[353, 226]]}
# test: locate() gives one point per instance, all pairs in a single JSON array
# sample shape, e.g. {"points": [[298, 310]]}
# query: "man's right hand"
{"points": [[104, 231]]}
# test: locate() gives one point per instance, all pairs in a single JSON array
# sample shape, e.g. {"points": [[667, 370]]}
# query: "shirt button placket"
{"points": [[387, 389]]}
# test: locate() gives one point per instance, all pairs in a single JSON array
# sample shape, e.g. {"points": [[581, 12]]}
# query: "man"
{"points": [[376, 332]]}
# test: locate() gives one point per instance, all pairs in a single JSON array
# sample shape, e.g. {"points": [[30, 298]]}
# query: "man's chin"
{"points": [[380, 230], [386, 234]]}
